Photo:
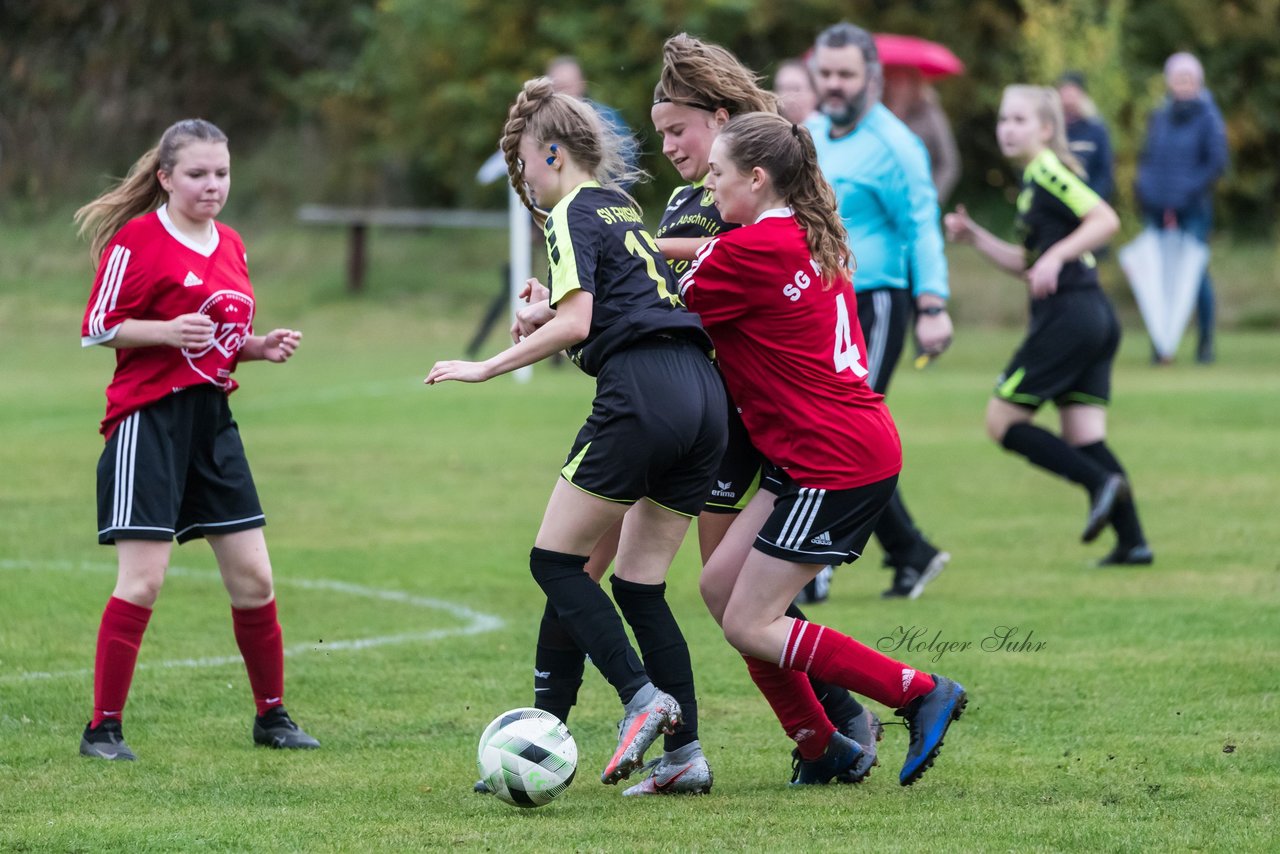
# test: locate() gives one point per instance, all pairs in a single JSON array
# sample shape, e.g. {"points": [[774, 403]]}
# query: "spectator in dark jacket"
{"points": [[1184, 155], [1087, 135]]}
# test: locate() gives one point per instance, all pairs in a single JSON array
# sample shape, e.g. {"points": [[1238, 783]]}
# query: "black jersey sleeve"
{"points": [[573, 249]]}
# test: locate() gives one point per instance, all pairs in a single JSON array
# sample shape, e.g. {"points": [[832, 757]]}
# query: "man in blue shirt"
{"points": [[885, 195]]}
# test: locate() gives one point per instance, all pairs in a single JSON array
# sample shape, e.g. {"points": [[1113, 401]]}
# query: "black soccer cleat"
{"points": [[927, 719], [1102, 504], [277, 730], [866, 730], [481, 788], [105, 741], [843, 762], [1139, 555], [909, 582]]}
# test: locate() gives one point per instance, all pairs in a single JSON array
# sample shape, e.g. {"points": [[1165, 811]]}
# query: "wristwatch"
{"points": [[932, 310]]}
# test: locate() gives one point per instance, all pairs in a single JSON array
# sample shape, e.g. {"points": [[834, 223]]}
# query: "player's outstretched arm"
{"points": [[1007, 256], [570, 325], [681, 248]]}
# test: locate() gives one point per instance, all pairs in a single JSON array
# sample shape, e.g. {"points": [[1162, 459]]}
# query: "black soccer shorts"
{"points": [[885, 317], [1067, 354], [820, 526], [657, 428], [176, 469], [739, 475]]}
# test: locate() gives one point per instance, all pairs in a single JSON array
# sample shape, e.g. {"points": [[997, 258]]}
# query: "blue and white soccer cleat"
{"points": [[927, 719]]}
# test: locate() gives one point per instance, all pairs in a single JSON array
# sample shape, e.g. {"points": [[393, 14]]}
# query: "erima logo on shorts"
{"points": [[823, 539], [724, 489]]}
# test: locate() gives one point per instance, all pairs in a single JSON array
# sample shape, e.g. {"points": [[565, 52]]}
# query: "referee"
{"points": [[886, 198]]}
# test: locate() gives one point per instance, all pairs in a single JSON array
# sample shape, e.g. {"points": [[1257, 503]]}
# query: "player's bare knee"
{"points": [[251, 590], [140, 590], [996, 428], [713, 596], [737, 630]]}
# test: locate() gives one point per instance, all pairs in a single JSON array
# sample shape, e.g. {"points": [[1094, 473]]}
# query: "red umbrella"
{"points": [[932, 59]]}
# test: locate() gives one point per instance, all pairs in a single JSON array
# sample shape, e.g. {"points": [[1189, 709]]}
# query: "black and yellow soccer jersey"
{"points": [[597, 242], [1050, 206], [691, 212]]}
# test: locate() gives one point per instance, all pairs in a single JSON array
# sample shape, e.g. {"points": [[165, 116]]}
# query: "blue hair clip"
{"points": [[552, 159]]}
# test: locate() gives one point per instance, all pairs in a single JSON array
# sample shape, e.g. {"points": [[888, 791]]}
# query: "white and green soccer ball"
{"points": [[527, 757]]}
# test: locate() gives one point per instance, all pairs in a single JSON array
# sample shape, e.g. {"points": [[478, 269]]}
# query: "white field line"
{"points": [[474, 622]]}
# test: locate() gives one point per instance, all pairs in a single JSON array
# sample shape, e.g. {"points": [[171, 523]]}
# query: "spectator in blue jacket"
{"points": [[1087, 135], [1184, 155]]}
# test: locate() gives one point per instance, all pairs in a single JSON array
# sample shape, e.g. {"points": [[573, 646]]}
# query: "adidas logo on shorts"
{"points": [[823, 539]]}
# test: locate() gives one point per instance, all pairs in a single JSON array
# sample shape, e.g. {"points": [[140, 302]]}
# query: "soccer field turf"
{"points": [[1141, 711]]}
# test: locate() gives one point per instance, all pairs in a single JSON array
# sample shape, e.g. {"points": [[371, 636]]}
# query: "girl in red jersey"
{"points": [[172, 297], [777, 298]]}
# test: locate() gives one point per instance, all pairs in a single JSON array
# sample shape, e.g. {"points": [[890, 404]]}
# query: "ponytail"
{"points": [[140, 190], [786, 152]]}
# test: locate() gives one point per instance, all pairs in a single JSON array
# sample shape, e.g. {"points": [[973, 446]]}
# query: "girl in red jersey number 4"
{"points": [[172, 297], [777, 299]]}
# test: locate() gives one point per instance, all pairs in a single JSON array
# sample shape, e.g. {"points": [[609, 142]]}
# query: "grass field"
{"points": [[400, 523]]}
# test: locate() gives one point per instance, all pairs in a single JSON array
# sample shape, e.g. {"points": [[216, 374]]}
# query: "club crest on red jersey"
{"points": [[232, 316]]}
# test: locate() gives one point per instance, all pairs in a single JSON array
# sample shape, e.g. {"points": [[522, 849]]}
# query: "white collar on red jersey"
{"points": [[205, 249], [772, 212]]}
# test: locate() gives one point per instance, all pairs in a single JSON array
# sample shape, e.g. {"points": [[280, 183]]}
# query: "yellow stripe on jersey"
{"points": [[564, 264], [1066, 186]]}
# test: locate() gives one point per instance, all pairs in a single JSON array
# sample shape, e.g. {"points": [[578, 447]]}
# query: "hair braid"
{"points": [[527, 103], [551, 117], [813, 202]]}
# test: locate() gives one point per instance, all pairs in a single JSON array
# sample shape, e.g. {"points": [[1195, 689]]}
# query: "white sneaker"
{"points": [[683, 771]]}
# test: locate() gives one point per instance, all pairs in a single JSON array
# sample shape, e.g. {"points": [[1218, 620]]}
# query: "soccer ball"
{"points": [[527, 757]]}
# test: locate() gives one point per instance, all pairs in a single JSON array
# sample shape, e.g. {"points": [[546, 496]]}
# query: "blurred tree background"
{"points": [[399, 101]]}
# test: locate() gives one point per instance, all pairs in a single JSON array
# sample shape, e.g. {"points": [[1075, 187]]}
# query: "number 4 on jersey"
{"points": [[846, 354]]}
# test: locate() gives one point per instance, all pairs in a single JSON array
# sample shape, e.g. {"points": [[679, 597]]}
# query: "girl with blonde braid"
{"points": [[656, 431]]}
